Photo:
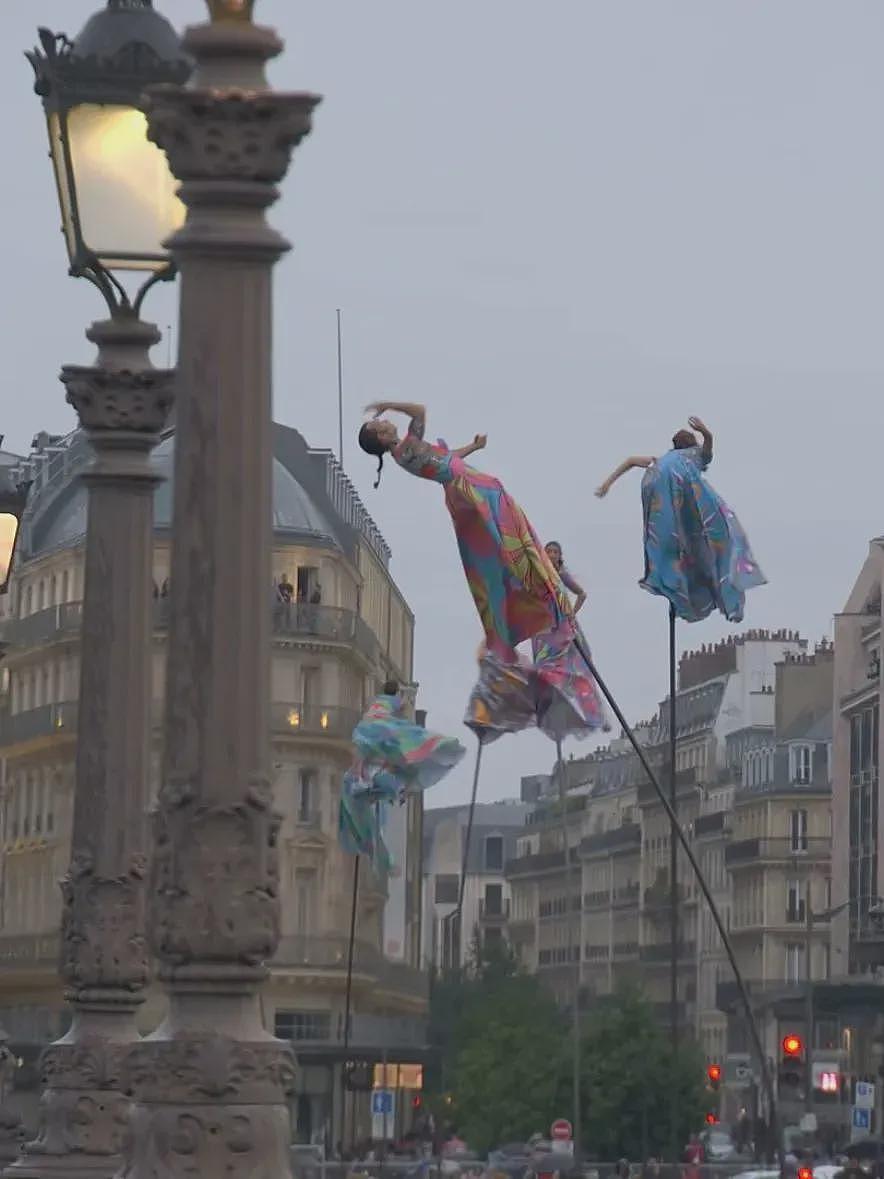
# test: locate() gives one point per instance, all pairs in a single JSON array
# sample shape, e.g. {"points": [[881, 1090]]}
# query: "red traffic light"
{"points": [[713, 1072], [793, 1046], [712, 1120], [417, 1101], [805, 1173]]}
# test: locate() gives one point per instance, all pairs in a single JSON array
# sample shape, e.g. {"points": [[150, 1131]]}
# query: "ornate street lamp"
{"points": [[118, 206], [116, 192]]}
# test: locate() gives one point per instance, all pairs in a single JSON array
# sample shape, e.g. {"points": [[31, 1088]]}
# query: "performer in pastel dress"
{"points": [[696, 552], [517, 592], [568, 702], [392, 758]]}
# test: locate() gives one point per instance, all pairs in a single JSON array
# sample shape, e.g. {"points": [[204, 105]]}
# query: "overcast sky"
{"points": [[569, 225]]}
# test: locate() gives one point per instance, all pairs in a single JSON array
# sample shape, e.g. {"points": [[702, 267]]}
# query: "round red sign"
{"points": [[560, 1130]]}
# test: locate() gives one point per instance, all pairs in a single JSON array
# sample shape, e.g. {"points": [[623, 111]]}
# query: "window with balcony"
{"points": [[305, 900], [302, 1025], [307, 795], [796, 910], [798, 831], [494, 853], [801, 765], [794, 962], [445, 890], [307, 581], [493, 900]]}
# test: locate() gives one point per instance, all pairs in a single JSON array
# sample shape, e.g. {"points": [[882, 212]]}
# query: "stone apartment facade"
{"points": [[328, 659]]}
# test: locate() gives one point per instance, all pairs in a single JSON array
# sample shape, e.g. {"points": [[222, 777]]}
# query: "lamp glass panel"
{"points": [[8, 532], [62, 180], [125, 190]]}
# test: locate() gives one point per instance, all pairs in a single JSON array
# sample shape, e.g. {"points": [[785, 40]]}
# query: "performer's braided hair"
{"points": [[371, 444]]}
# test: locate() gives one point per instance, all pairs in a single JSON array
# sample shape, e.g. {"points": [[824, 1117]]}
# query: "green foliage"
{"points": [[630, 1078], [505, 1064]]}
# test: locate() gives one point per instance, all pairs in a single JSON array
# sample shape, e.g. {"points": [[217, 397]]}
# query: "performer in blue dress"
{"points": [[696, 552]]}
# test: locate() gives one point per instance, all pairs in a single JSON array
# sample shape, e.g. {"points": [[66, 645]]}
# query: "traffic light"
{"points": [[417, 1102], [793, 1046], [711, 1119], [805, 1173], [713, 1076]]}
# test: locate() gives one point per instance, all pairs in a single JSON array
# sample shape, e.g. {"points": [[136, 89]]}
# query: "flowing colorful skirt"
{"points": [[504, 699], [516, 590], [568, 700], [697, 554], [401, 757]]}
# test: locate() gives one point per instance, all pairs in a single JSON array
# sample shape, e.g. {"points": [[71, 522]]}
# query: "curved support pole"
{"points": [[466, 846], [767, 1083]]}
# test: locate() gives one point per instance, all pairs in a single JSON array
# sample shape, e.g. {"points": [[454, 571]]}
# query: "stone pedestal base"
{"points": [[210, 1105]]}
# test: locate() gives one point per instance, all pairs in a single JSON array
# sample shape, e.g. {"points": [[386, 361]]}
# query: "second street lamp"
{"points": [[117, 203], [13, 497]]}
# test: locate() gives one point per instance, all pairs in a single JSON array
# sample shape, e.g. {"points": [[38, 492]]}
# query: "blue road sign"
{"points": [[382, 1102], [862, 1119]]}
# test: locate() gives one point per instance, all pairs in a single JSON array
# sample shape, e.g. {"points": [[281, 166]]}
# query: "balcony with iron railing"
{"points": [[658, 898], [536, 862], [748, 852], [308, 952], [494, 912], [660, 952], [315, 721], [290, 621], [35, 724]]}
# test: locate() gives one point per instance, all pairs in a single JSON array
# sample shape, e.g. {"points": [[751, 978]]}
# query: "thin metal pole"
{"points": [[810, 1031], [673, 886], [348, 995], [466, 850], [575, 998], [765, 1071], [340, 394]]}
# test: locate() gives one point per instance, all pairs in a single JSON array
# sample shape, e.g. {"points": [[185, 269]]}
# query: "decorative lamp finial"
{"points": [[231, 10]]}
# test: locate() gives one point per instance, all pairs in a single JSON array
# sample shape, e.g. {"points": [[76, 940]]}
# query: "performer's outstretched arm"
{"points": [[478, 443], [627, 465], [700, 426], [411, 409]]}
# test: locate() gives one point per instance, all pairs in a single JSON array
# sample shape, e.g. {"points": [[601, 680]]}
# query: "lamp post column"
{"points": [[122, 403], [211, 1085]]}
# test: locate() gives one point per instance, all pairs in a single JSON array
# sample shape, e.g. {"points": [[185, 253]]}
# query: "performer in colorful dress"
{"points": [[568, 703], [696, 552], [516, 590], [392, 758]]}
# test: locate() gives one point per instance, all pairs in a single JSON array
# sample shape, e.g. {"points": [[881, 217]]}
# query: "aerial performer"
{"points": [[568, 703], [516, 591], [696, 553], [392, 758]]}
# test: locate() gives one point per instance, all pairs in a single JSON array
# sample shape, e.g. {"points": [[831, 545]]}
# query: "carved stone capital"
{"points": [[204, 1069], [214, 880], [228, 135], [120, 401], [104, 955]]}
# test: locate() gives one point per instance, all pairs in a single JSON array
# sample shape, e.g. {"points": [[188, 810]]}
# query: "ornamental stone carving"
{"points": [[102, 943], [205, 1068], [78, 1122], [233, 1141], [105, 400], [209, 135], [215, 879]]}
